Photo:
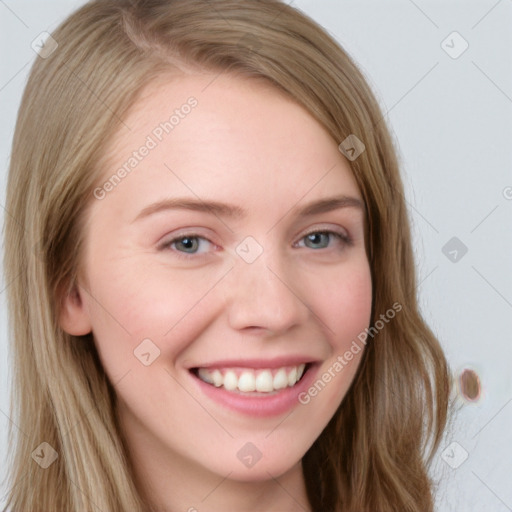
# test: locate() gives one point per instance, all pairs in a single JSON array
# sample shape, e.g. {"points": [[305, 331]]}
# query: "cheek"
{"points": [[128, 306], [344, 304]]}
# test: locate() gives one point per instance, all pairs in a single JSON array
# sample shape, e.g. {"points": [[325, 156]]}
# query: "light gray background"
{"points": [[452, 118]]}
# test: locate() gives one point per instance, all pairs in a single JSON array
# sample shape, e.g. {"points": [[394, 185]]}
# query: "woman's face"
{"points": [[224, 261]]}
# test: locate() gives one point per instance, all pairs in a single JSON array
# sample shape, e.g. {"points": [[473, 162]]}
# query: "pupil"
{"points": [[316, 238], [187, 243]]}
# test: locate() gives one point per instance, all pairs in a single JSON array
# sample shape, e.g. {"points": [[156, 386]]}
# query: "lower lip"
{"points": [[259, 405]]}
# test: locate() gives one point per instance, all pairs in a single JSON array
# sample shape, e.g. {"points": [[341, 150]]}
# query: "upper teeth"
{"points": [[247, 379]]}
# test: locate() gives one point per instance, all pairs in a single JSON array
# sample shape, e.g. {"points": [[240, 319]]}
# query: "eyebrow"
{"points": [[235, 212]]}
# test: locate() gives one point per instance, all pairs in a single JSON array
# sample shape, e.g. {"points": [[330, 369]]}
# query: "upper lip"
{"points": [[277, 362]]}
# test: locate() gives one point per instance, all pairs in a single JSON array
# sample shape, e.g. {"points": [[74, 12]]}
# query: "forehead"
{"points": [[225, 137]]}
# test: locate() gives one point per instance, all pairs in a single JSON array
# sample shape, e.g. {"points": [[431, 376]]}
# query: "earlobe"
{"points": [[74, 317]]}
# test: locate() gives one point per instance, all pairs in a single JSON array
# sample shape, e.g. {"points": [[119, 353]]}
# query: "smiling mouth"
{"points": [[252, 381]]}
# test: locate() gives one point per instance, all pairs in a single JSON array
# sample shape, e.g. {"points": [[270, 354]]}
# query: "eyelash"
{"points": [[342, 237]]}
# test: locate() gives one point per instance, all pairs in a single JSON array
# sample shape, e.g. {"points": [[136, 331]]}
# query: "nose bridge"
{"points": [[263, 294]]}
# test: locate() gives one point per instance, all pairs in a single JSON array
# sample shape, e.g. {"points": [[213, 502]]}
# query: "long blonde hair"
{"points": [[374, 454]]}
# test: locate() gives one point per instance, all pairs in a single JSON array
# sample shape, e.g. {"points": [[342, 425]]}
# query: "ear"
{"points": [[74, 316]]}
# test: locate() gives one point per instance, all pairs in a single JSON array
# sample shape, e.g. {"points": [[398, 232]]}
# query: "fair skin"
{"points": [[303, 299]]}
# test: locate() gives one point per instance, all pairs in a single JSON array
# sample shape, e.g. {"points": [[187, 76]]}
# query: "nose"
{"points": [[265, 295]]}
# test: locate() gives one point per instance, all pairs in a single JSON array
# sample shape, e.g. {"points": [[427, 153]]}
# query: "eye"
{"points": [[187, 245], [321, 239]]}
